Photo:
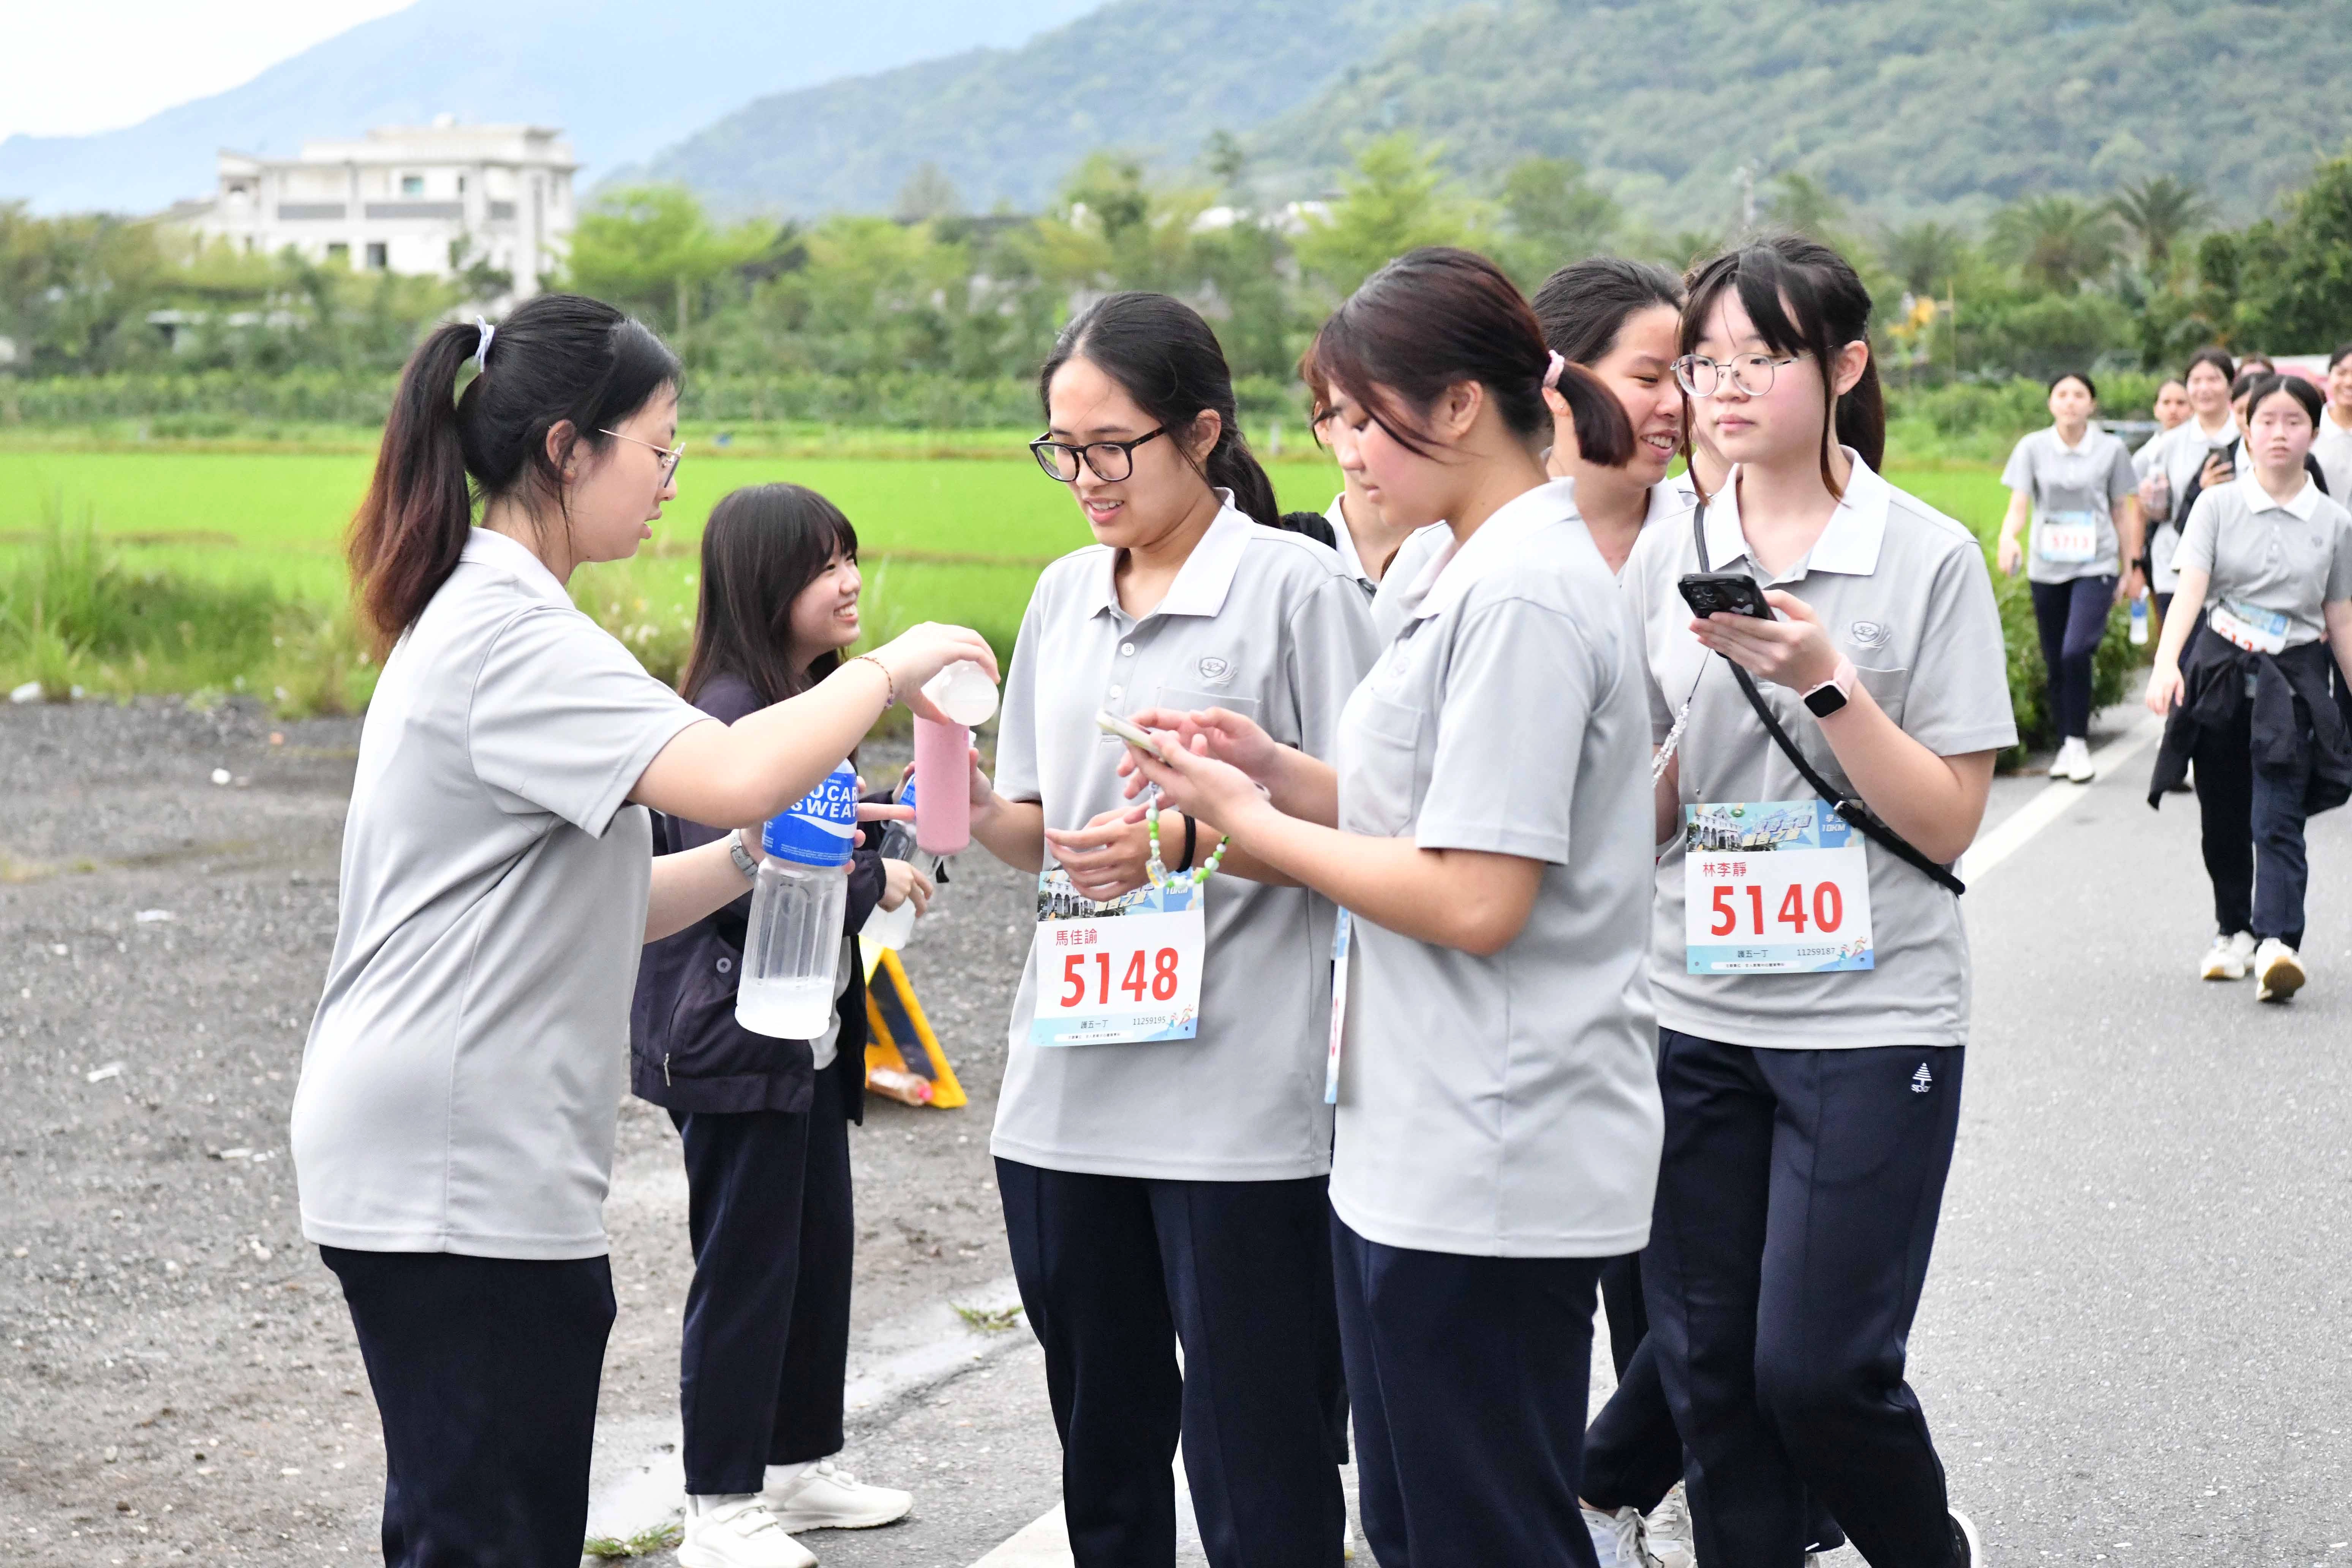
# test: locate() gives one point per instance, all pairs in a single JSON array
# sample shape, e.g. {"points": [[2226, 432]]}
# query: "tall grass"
{"points": [[76, 619]]}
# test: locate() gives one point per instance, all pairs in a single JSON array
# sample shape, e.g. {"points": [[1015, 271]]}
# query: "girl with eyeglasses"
{"points": [[1813, 1010], [452, 1129], [1163, 1177]]}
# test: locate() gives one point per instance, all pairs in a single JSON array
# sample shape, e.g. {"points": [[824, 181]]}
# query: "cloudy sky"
{"points": [[93, 65]]}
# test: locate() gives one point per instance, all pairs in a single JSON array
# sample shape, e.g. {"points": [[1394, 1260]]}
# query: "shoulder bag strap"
{"points": [[1865, 821]]}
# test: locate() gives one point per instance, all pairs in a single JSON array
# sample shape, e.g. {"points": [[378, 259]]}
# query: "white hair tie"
{"points": [[482, 349]]}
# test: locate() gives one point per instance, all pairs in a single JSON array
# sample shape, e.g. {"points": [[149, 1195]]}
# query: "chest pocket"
{"points": [[1192, 701], [1378, 763], [1886, 688]]}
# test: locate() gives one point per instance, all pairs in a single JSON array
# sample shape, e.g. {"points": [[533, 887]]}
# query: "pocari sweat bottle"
{"points": [[791, 947]]}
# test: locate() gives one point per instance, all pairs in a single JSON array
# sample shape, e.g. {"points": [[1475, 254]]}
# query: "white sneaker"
{"points": [[1621, 1539], [738, 1532], [2228, 958], [2279, 968], [824, 1497], [2073, 761], [1966, 1527]]}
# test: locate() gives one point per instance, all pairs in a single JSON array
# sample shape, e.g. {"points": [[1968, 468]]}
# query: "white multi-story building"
{"points": [[430, 200]]}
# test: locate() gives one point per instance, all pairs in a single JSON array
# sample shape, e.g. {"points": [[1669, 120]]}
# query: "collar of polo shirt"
{"points": [[1204, 579], [1457, 568], [486, 548], [1849, 545], [2305, 501]]}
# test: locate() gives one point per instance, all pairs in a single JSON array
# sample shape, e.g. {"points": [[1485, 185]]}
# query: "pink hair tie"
{"points": [[1552, 372]]}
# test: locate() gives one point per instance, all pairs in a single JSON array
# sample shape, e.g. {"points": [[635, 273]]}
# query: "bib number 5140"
{"points": [[1825, 907]]}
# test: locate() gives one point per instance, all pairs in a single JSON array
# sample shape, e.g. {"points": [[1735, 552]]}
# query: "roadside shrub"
{"points": [[2113, 669]]}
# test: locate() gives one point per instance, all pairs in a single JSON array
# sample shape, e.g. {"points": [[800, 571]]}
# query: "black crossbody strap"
{"points": [[1865, 821]]}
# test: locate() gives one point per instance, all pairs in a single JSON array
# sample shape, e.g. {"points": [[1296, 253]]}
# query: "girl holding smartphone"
{"points": [[1780, 1293], [453, 1129], [1167, 1186], [1497, 1119]]}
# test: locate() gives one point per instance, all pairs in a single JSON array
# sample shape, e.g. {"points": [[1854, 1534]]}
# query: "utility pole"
{"points": [[1747, 177]]}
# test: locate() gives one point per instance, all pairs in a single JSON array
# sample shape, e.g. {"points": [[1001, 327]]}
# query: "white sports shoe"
{"points": [[2279, 968], [2228, 958], [2072, 762], [1621, 1539], [825, 1496], [1966, 1529], [738, 1532]]}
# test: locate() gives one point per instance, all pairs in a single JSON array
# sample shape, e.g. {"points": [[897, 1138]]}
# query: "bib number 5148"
{"points": [[1079, 985]]}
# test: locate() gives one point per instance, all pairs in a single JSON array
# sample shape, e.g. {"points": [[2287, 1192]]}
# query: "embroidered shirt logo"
{"points": [[1214, 669], [1923, 1081], [1870, 634]]}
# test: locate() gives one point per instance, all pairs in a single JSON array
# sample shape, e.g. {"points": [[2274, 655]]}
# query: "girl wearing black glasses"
{"points": [[1167, 1186]]}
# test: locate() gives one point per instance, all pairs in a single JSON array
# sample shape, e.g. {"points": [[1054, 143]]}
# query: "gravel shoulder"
{"points": [[177, 1372]]}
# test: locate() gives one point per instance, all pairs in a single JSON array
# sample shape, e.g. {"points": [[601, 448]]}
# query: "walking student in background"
{"points": [[2179, 459], [2075, 484], [453, 1129], [764, 1123], [2266, 563], [1811, 1043], [1366, 543], [1165, 1182], [2332, 445], [1486, 823]]}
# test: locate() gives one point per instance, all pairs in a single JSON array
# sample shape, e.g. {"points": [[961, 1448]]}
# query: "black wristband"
{"points": [[1192, 842]]}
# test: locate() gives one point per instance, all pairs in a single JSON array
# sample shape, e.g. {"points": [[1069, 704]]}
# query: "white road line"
{"points": [[2013, 831]]}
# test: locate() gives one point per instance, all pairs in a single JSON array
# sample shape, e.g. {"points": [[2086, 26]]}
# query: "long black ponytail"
{"points": [[560, 359], [1164, 355]]}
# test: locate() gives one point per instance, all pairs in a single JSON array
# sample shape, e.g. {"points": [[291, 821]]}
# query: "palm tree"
{"points": [[1925, 256], [2057, 241], [2160, 212]]}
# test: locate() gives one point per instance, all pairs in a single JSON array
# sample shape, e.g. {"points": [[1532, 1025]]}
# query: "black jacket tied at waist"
{"points": [[688, 1053], [2290, 690]]}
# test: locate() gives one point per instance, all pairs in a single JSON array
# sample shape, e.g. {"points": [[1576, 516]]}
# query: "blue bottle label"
{"points": [[822, 829]]}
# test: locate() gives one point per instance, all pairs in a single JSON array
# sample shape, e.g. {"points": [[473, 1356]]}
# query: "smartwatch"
{"points": [[1831, 695]]}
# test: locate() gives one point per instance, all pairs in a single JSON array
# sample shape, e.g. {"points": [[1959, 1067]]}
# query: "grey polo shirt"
{"points": [[2333, 448], [1507, 1106], [1904, 592], [463, 1070], [2288, 557], [1266, 623], [2059, 480], [2182, 456]]}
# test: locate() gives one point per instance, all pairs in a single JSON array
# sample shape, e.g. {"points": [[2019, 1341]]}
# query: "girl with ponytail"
{"points": [[1811, 1046], [1167, 1188], [452, 1129], [1486, 821]]}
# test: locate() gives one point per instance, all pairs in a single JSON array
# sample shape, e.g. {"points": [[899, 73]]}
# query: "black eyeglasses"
{"points": [[1111, 461]]}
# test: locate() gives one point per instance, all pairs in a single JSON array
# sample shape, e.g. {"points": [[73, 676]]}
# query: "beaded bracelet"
{"points": [[1158, 870], [892, 700]]}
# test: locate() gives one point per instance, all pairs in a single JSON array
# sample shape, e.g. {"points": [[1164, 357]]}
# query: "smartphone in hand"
{"points": [[1732, 593], [1134, 735]]}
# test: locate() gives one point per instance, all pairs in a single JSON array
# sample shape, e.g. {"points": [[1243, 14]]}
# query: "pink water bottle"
{"points": [[943, 757], [943, 792]]}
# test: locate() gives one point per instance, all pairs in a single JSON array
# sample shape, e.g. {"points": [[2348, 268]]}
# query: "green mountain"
{"points": [[1154, 77], [1897, 106], [1894, 105]]}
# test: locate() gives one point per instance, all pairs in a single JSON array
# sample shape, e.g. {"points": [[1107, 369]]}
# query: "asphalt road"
{"points": [[2130, 1346]]}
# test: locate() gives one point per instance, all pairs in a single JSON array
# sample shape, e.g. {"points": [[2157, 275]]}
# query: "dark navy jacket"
{"points": [[686, 1051]]}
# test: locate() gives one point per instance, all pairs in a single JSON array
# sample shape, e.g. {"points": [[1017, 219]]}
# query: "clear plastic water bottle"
{"points": [[2140, 620], [892, 928], [791, 947]]}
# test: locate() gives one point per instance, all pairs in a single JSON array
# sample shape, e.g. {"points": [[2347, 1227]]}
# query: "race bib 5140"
{"points": [[1773, 887]]}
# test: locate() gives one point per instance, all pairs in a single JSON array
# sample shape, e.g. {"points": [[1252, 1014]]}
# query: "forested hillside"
{"points": [[1901, 107]]}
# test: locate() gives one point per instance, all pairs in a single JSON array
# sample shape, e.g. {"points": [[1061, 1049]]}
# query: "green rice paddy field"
{"points": [[947, 538]]}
